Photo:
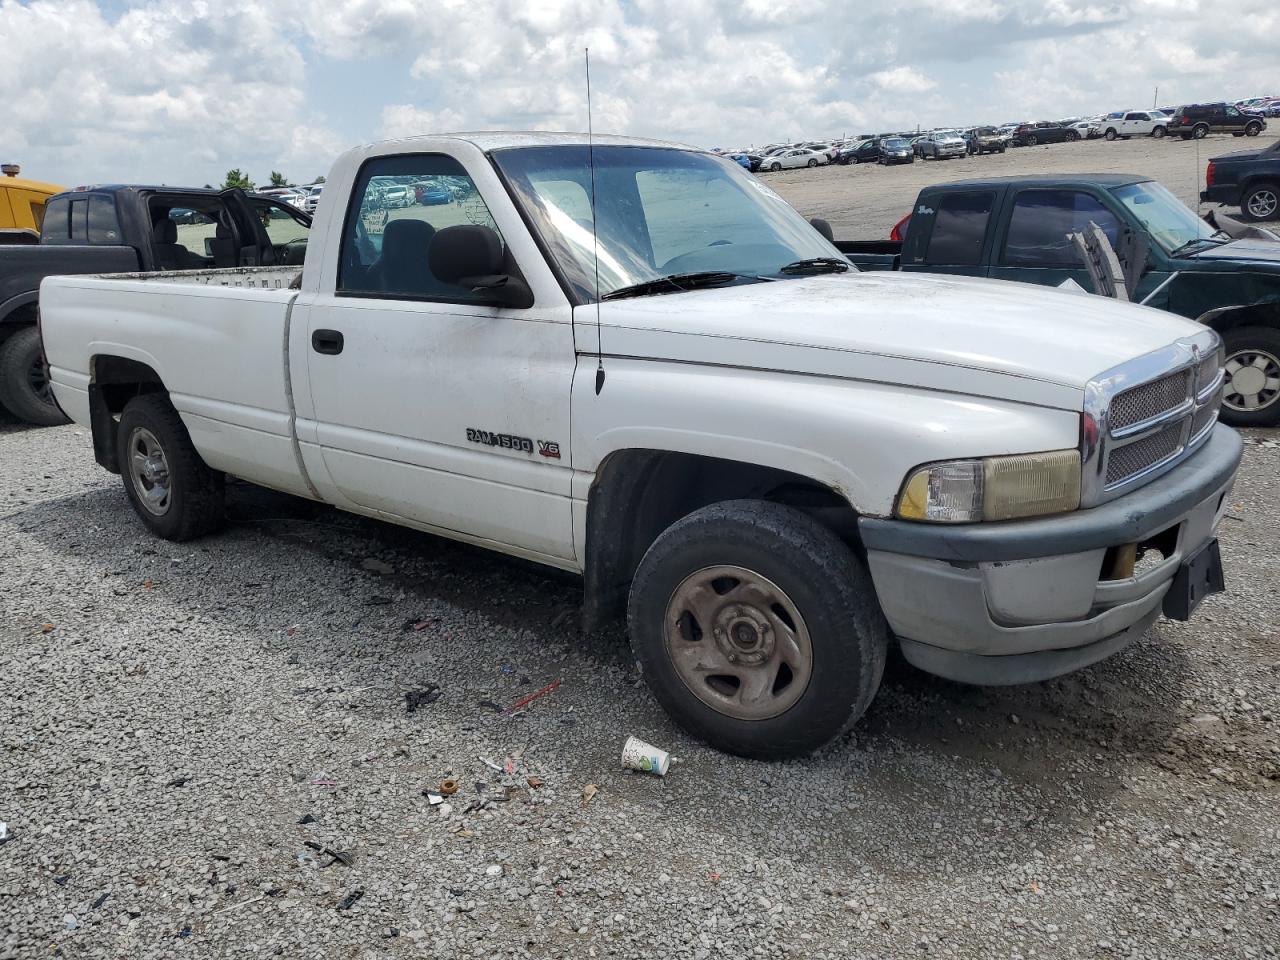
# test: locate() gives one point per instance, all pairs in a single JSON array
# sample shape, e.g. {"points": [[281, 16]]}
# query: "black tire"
{"points": [[24, 380], [1185, 136], [1072, 136], [1252, 342], [829, 588], [812, 162], [195, 492], [1261, 201], [1253, 129], [775, 167], [1200, 131], [1159, 133]]}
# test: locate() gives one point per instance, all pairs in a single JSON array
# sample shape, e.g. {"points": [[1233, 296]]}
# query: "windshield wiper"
{"points": [[675, 283], [817, 265], [1192, 241]]}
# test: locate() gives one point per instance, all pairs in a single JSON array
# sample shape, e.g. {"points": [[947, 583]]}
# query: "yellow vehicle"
{"points": [[22, 205]]}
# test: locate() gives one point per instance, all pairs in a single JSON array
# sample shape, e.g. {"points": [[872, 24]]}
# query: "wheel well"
{"points": [[113, 382], [637, 494], [1254, 314], [20, 316]]}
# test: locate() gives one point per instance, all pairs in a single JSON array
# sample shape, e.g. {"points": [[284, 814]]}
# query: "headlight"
{"points": [[995, 488]]}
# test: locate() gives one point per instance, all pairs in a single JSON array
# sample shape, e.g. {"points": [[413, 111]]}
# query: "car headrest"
{"points": [[407, 239], [222, 232], [165, 231], [466, 250]]}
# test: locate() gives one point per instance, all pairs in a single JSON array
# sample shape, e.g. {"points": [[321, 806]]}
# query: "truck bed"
{"points": [[257, 278]]}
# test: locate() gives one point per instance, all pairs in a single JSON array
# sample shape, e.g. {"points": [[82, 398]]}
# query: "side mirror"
{"points": [[471, 255], [823, 228]]}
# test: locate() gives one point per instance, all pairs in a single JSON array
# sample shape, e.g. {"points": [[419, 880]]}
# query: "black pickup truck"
{"points": [[1249, 179], [1016, 228], [119, 229]]}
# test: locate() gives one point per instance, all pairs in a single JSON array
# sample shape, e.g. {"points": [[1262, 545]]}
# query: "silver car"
{"points": [[942, 144]]}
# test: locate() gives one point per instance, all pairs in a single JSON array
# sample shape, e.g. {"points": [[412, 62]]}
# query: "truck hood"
{"points": [[979, 337], [1258, 251]]}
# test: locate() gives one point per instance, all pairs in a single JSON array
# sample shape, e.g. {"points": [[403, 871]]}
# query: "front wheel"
{"points": [[775, 167], [1260, 202], [1251, 393], [171, 489], [757, 629], [25, 390]]}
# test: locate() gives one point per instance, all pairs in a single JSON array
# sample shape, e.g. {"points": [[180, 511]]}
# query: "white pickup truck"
{"points": [[774, 464]]}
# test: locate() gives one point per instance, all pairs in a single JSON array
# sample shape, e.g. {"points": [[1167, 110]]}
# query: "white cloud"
{"points": [[182, 91]]}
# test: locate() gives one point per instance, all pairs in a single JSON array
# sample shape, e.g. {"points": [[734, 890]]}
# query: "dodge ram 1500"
{"points": [[636, 362]]}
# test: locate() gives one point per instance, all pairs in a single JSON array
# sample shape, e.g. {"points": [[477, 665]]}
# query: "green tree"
{"points": [[318, 180], [237, 179], [278, 179]]}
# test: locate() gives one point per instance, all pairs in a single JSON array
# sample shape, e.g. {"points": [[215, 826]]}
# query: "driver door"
{"points": [[1035, 247], [431, 406]]}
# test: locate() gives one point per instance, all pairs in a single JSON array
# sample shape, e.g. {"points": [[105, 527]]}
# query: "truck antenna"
{"points": [[595, 235]]}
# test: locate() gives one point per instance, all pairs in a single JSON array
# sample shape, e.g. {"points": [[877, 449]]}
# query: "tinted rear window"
{"points": [[958, 229]]}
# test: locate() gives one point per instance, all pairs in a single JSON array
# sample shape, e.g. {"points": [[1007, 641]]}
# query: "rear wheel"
{"points": [[1251, 393], [1158, 133], [757, 629], [171, 489], [1200, 131], [25, 390], [1260, 202], [1072, 136], [775, 167], [812, 162]]}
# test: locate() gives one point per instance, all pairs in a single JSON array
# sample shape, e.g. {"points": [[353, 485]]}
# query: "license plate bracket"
{"points": [[1198, 576]]}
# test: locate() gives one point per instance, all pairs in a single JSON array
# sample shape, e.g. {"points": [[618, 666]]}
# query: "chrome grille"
{"points": [[1206, 415], [1152, 450], [1208, 371], [1150, 400]]}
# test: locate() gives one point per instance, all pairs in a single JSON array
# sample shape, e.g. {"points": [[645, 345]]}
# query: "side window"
{"points": [[57, 220], [1134, 116], [1041, 220], [958, 229], [283, 228], [1232, 112], [104, 227], [399, 207], [80, 221]]}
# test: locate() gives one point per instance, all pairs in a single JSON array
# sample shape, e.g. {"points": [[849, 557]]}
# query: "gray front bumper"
{"points": [[1024, 600]]}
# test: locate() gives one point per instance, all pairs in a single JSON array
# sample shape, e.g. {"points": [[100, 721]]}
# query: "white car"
{"points": [[313, 198], [1136, 123], [700, 408], [397, 195], [790, 159], [1088, 129]]}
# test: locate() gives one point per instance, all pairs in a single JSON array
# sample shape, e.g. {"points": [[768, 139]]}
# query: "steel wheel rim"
{"points": [[738, 642], [38, 379], [1252, 380], [149, 472], [1262, 204]]}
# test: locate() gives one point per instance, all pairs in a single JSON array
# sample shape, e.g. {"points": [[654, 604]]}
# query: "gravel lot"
{"points": [[863, 202], [173, 713]]}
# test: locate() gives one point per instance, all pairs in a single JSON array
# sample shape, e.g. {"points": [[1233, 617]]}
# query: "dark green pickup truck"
{"points": [[1016, 228]]}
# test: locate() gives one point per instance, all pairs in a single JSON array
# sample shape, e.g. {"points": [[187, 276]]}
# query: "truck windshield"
{"points": [[662, 212], [1171, 224]]}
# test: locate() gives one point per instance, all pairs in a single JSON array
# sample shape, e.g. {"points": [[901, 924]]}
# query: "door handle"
{"points": [[326, 341]]}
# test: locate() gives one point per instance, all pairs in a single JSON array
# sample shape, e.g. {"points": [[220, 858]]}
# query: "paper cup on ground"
{"points": [[638, 755]]}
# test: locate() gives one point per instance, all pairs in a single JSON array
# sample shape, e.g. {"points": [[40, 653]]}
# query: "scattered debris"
{"points": [[525, 701], [70, 921], [433, 798], [414, 624], [62, 880], [638, 755], [508, 668], [493, 870], [308, 818], [339, 856], [350, 900], [535, 782], [490, 764], [490, 705], [4, 833], [100, 901], [511, 767], [448, 786], [324, 782], [420, 698], [47, 627], [178, 782], [588, 793], [242, 903], [184, 932], [713, 876]]}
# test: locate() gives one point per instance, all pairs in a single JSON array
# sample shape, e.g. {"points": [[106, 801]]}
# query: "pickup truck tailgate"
{"points": [[215, 338]]}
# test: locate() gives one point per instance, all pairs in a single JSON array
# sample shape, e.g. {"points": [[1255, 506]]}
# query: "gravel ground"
{"points": [[173, 713], [863, 202], [183, 726]]}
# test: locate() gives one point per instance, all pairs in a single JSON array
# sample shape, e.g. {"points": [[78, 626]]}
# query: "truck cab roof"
{"points": [[1106, 180]]}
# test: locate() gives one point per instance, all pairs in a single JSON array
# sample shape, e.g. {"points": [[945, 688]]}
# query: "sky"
{"points": [[180, 92]]}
